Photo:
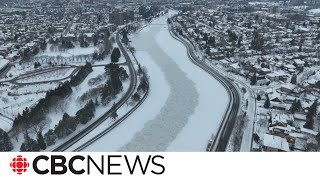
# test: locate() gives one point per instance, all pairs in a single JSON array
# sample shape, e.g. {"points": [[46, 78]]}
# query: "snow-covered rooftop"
{"points": [[275, 142]]}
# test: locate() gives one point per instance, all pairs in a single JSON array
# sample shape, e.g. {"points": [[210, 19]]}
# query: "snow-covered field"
{"points": [[3, 63], [73, 103], [14, 104], [314, 11], [77, 50], [49, 76], [185, 105]]}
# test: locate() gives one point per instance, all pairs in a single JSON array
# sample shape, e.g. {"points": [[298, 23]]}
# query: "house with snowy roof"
{"points": [[277, 76], [287, 88], [281, 119], [273, 143]]}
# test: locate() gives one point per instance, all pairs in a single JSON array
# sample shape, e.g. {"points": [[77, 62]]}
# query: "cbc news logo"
{"points": [[19, 164], [87, 164]]}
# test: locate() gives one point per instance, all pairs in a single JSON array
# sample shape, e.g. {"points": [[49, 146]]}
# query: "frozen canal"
{"points": [[185, 105]]}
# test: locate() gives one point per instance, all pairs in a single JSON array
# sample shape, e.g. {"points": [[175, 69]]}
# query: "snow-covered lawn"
{"points": [[6, 123], [76, 51], [185, 105], [314, 11], [21, 97], [3, 63], [73, 103], [48, 76]]}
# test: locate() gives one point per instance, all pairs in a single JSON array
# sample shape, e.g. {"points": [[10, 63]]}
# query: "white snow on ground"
{"points": [[14, 104], [181, 117], [315, 11], [72, 104], [49, 76], [77, 50], [146, 29], [123, 133], [5, 123], [3, 63]]}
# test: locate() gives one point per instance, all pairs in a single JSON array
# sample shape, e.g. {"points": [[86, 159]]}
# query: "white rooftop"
{"points": [[275, 142]]}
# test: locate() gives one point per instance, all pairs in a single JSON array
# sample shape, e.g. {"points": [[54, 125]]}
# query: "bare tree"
{"points": [[39, 127]]}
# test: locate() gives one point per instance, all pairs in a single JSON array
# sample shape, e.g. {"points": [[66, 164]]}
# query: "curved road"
{"points": [[222, 137]]}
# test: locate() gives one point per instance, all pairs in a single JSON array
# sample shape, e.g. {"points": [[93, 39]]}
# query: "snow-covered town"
{"points": [[159, 75]]}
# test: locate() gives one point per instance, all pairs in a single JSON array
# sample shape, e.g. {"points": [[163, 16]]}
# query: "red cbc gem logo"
{"points": [[19, 165]]}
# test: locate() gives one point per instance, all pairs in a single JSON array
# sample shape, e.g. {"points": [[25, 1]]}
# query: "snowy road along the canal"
{"points": [[185, 105]]}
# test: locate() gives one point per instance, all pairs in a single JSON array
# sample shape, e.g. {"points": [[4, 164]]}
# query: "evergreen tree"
{"points": [[232, 35], [267, 103], [29, 145], [115, 55], [239, 44], [296, 106], [254, 79], [309, 123], [300, 48], [257, 42], [50, 137], [139, 70], [97, 102], [67, 125], [106, 93], [114, 114], [5, 143], [86, 114], [81, 75], [249, 25], [205, 37], [125, 38], [112, 69], [36, 65], [293, 42], [95, 39], [136, 97], [311, 115], [258, 97], [41, 142], [123, 75], [143, 86], [293, 79], [23, 148], [212, 41]]}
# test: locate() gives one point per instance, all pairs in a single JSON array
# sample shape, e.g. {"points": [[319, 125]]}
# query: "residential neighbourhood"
{"points": [[150, 75], [276, 53]]}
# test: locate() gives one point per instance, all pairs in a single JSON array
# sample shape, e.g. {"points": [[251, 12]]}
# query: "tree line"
{"points": [[81, 75], [36, 114], [113, 86], [65, 127]]}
